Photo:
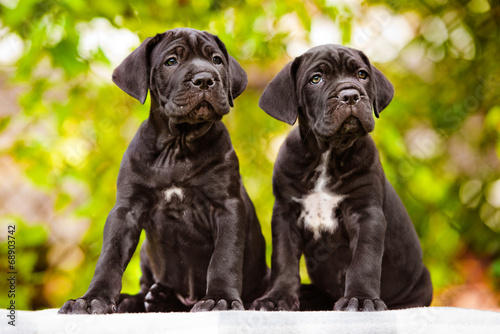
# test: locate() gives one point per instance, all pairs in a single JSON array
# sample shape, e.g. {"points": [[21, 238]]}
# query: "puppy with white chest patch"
{"points": [[179, 181], [333, 201]]}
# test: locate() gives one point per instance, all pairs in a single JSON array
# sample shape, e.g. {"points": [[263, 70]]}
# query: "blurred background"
{"points": [[64, 126]]}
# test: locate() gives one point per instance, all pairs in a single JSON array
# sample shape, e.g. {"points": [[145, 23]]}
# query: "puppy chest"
{"points": [[319, 212], [319, 206], [173, 193], [176, 203]]}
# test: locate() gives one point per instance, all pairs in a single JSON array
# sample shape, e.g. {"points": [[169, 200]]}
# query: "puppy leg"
{"points": [[121, 235], [366, 229], [135, 303], [225, 271], [283, 294]]}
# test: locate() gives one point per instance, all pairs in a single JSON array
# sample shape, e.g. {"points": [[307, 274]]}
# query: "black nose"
{"points": [[203, 80], [349, 96]]}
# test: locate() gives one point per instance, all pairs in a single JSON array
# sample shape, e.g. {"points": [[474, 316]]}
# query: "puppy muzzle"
{"points": [[348, 112]]}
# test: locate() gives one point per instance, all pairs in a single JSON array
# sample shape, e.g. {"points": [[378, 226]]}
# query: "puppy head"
{"points": [[334, 88], [188, 72]]}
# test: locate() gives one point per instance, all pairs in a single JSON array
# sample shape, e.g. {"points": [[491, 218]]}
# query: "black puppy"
{"points": [[179, 181], [333, 201]]}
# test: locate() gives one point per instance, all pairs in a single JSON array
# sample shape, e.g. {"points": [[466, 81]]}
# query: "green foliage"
{"points": [[438, 139]]}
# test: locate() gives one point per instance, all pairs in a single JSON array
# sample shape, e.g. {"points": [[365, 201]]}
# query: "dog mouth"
{"points": [[345, 135], [201, 112], [351, 126]]}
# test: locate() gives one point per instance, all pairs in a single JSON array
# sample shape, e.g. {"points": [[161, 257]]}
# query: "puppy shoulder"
{"points": [[291, 157], [221, 136], [290, 147]]}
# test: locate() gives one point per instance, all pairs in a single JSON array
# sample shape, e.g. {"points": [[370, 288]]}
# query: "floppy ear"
{"points": [[132, 75], [382, 87], [238, 79], [384, 91], [237, 76], [279, 99]]}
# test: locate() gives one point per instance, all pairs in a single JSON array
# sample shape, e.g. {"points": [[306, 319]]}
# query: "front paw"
{"points": [[218, 304], [276, 301], [359, 304], [88, 305]]}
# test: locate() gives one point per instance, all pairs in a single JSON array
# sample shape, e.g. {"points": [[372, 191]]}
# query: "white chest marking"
{"points": [[318, 207], [169, 194]]}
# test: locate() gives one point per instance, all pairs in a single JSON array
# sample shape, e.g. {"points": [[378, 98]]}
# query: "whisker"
{"points": [[307, 133], [156, 109]]}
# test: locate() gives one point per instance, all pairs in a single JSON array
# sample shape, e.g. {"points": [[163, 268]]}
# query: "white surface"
{"points": [[418, 320]]}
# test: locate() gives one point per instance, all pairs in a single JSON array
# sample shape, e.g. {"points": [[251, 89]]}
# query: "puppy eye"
{"points": [[316, 79], [217, 60], [362, 74], [171, 62]]}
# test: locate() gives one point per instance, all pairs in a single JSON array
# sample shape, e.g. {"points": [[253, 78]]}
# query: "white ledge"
{"points": [[425, 320]]}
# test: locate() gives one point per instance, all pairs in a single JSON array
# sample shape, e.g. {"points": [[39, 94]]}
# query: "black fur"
{"points": [[179, 181], [371, 258]]}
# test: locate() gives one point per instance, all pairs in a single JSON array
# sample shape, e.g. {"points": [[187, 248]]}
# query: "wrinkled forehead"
{"points": [[332, 58], [185, 42]]}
